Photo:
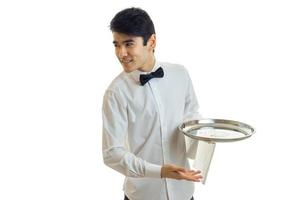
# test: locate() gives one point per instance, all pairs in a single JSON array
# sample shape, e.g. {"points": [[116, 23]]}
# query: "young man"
{"points": [[142, 109]]}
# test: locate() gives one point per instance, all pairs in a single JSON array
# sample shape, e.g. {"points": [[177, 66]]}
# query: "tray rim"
{"points": [[219, 124]]}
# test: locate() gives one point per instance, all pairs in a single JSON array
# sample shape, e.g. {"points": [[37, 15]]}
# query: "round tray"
{"points": [[216, 130]]}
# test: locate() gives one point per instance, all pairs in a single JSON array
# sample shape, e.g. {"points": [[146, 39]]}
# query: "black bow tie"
{"points": [[144, 78]]}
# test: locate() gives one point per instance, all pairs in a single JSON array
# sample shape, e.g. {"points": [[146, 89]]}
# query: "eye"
{"points": [[129, 44]]}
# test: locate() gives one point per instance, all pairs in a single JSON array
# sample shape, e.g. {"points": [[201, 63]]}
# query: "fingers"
{"points": [[191, 175], [194, 172], [176, 172]]}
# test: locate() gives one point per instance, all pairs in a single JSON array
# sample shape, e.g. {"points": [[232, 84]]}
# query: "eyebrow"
{"points": [[125, 41]]}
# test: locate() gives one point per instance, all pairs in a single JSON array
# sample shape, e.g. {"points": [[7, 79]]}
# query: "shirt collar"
{"points": [[135, 75]]}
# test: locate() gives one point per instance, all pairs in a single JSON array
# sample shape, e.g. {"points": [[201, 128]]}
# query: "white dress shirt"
{"points": [[140, 131]]}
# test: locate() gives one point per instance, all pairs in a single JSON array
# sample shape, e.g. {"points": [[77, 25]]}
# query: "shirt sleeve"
{"points": [[114, 133], [191, 113], [191, 103]]}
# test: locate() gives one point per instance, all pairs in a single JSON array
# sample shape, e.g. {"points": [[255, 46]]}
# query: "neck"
{"points": [[149, 67]]}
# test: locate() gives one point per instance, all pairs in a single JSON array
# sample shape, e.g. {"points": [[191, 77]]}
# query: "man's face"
{"points": [[131, 52]]}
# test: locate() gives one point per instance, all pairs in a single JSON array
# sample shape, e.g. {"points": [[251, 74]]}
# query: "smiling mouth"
{"points": [[126, 61]]}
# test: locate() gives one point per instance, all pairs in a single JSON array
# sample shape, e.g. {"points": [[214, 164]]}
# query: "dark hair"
{"points": [[133, 21]]}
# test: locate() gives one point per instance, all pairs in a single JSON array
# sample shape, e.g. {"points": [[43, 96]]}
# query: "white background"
{"points": [[57, 59]]}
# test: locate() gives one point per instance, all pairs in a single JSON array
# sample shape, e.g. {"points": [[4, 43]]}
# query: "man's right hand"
{"points": [[180, 173]]}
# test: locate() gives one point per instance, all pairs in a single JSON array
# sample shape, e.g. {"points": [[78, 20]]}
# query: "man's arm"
{"points": [[199, 150], [116, 156], [191, 112]]}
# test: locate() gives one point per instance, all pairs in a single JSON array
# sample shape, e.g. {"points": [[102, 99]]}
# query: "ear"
{"points": [[152, 42]]}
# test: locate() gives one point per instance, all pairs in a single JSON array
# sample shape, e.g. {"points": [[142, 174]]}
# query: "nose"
{"points": [[121, 52]]}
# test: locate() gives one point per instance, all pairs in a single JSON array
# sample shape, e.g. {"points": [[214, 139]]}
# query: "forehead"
{"points": [[122, 37]]}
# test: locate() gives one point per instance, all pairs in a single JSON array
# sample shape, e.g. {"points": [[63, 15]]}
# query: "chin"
{"points": [[128, 69]]}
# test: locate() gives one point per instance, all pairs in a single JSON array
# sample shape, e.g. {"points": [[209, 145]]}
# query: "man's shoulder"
{"points": [[172, 65], [117, 82], [114, 90], [174, 68]]}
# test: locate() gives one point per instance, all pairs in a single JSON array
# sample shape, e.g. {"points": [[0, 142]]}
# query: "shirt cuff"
{"points": [[152, 170]]}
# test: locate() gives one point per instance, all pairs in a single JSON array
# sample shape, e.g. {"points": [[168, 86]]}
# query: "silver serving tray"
{"points": [[216, 130]]}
